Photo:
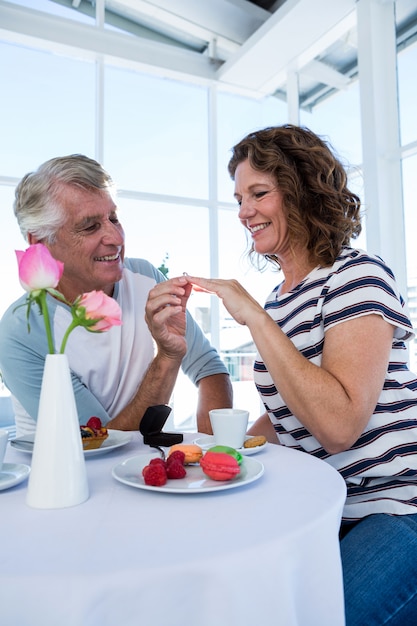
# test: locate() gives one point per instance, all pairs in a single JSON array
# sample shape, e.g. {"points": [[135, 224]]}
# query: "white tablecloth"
{"points": [[264, 554]]}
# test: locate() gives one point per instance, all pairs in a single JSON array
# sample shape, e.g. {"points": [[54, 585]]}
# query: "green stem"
{"points": [[70, 328], [45, 313]]}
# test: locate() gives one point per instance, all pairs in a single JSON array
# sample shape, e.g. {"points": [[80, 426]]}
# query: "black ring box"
{"points": [[152, 424]]}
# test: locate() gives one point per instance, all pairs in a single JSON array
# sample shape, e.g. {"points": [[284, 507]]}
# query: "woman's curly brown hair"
{"points": [[321, 211]]}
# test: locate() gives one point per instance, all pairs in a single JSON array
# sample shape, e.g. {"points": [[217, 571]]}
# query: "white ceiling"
{"points": [[246, 46]]}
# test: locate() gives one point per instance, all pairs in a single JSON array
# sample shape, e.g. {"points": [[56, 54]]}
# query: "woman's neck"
{"points": [[294, 272]]}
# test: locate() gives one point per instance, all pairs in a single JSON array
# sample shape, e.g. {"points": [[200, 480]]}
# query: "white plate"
{"points": [[12, 474], [208, 442], [115, 439], [129, 472]]}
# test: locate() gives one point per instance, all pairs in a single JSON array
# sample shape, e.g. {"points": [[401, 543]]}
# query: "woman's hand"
{"points": [[240, 304]]}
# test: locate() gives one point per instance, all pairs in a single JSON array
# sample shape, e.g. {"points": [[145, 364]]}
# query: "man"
{"points": [[68, 204]]}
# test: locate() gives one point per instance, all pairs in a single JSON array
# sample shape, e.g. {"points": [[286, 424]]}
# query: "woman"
{"points": [[331, 365]]}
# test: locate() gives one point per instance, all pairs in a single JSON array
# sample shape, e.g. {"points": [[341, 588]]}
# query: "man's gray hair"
{"points": [[37, 203]]}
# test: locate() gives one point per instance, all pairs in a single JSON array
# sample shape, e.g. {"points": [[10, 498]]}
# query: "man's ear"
{"points": [[32, 239]]}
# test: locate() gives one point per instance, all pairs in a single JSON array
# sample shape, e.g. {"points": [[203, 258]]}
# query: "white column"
{"points": [[377, 59], [293, 98], [99, 76], [213, 213], [99, 136]]}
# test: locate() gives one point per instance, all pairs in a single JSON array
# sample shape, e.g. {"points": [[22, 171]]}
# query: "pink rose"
{"points": [[40, 273], [38, 269], [98, 306]]}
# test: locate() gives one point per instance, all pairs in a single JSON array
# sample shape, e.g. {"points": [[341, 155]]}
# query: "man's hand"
{"points": [[165, 315]]}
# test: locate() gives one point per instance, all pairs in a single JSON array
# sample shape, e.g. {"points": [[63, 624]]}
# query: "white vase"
{"points": [[58, 476]]}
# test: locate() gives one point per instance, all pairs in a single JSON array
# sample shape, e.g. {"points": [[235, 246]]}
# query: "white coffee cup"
{"points": [[4, 437], [229, 426]]}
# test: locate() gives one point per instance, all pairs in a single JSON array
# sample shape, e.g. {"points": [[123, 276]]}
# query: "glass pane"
{"points": [[407, 93], [238, 116], [356, 185], [47, 6], [156, 134], [338, 120], [410, 216], [47, 108], [181, 242], [10, 240], [161, 232]]}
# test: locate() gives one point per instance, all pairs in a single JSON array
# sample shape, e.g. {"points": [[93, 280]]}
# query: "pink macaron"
{"points": [[219, 466]]}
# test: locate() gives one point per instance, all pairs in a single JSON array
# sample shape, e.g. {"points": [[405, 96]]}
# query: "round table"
{"points": [[264, 553]]}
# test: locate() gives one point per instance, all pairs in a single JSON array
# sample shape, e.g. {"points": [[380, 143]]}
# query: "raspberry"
{"points": [[94, 423], [154, 475], [176, 455], [176, 469], [158, 461]]}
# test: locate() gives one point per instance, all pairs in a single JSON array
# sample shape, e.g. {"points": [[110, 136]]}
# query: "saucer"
{"points": [[115, 439], [12, 474], [207, 442]]}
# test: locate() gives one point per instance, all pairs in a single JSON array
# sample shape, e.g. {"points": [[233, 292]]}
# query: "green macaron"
{"points": [[234, 453]]}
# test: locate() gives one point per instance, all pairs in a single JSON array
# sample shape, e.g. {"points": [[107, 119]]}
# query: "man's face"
{"points": [[90, 243]]}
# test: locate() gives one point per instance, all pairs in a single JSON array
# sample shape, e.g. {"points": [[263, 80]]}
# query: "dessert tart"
{"points": [[93, 434]]}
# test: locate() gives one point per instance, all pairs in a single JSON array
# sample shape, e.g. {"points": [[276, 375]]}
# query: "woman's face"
{"points": [[261, 210]]}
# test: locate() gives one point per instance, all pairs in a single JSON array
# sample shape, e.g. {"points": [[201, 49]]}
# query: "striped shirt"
{"points": [[380, 469]]}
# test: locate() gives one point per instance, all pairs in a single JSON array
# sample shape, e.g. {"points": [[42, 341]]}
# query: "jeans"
{"points": [[379, 560]]}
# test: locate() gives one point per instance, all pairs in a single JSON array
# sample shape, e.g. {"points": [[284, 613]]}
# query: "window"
{"points": [[407, 93], [47, 108], [238, 116], [174, 234], [10, 240], [155, 134]]}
